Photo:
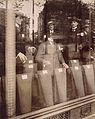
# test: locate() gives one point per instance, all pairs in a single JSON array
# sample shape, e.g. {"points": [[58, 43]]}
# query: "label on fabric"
{"points": [[30, 66], [30, 61], [74, 61], [76, 68], [45, 71], [24, 76], [60, 70], [88, 66]]}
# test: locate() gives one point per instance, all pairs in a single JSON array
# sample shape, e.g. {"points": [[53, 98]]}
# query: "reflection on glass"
{"points": [[58, 66]]}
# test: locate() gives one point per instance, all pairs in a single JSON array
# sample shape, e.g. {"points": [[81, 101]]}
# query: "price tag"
{"points": [[60, 70], [76, 68], [45, 71], [44, 65], [24, 76], [30, 66], [88, 66], [75, 61], [30, 61]]}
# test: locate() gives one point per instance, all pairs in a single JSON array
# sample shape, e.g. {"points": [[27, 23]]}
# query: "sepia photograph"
{"points": [[47, 59]]}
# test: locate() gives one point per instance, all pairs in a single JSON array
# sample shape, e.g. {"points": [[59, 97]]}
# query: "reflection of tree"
{"points": [[69, 8], [1, 2], [18, 4], [40, 4]]}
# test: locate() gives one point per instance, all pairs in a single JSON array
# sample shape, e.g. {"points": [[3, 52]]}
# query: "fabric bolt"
{"points": [[46, 85], [71, 87], [24, 93], [89, 72], [78, 78], [61, 80]]}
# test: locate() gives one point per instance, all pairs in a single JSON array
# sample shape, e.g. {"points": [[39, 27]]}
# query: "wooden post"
{"points": [[90, 30], [32, 21], [10, 61]]}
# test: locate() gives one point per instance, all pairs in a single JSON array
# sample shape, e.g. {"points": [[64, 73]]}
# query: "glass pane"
{"points": [[52, 54]]}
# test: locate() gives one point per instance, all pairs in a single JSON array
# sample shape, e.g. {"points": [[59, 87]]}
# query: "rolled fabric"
{"points": [[78, 78], [24, 93], [45, 80], [89, 72], [61, 84]]}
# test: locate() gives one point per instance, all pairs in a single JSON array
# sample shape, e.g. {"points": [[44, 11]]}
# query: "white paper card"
{"points": [[74, 61], [88, 66], [30, 61], [76, 68], [24, 76], [60, 69], [30, 66], [45, 71]]}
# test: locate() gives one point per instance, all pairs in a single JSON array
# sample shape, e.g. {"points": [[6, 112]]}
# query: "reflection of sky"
{"points": [[88, 1], [3, 5], [27, 10]]}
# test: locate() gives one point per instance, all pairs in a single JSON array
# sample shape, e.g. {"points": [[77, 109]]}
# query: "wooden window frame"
{"points": [[58, 109]]}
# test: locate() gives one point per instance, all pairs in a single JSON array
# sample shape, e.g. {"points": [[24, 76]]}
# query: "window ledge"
{"points": [[57, 109]]}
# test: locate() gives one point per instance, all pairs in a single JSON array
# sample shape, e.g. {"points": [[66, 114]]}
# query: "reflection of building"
{"points": [[40, 26], [22, 34], [61, 12], [22, 27]]}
